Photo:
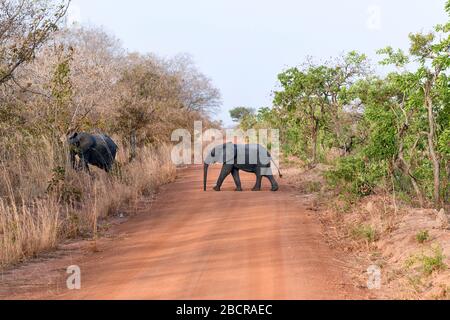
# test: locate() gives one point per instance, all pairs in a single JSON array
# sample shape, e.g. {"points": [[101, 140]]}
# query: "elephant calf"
{"points": [[96, 149], [251, 158]]}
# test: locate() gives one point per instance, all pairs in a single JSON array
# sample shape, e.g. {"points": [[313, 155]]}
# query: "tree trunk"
{"points": [[447, 183], [432, 148], [133, 146], [314, 146], [406, 168]]}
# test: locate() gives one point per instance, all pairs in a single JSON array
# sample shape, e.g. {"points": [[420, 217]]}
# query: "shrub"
{"points": [[433, 263], [355, 176], [423, 236], [428, 264], [364, 232]]}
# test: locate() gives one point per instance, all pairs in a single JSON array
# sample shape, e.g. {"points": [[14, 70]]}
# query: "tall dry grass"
{"points": [[43, 201]]}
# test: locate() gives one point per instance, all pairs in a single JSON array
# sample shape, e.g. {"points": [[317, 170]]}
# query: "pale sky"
{"points": [[243, 44]]}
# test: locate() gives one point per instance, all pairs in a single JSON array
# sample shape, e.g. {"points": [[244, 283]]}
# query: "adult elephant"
{"points": [[251, 158], [93, 149]]}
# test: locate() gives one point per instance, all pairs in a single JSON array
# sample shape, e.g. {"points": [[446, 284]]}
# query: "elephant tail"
{"points": [[279, 172]]}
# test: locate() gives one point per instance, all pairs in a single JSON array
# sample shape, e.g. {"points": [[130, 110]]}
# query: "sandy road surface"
{"points": [[209, 245]]}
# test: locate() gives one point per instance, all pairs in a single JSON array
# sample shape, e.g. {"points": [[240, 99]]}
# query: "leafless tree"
{"points": [[197, 91], [24, 27]]}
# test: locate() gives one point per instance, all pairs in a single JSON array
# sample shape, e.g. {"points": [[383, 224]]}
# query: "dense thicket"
{"points": [[56, 80], [391, 132], [82, 79]]}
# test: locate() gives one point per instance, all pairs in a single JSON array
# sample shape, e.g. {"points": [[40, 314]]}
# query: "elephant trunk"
{"points": [[205, 175]]}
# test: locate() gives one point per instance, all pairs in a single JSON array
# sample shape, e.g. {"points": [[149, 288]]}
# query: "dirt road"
{"points": [[208, 245]]}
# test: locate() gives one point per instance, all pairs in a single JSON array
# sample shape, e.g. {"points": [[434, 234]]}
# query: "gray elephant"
{"points": [[96, 149], [251, 158]]}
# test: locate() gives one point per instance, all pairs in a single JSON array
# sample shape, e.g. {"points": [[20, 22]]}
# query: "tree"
{"points": [[197, 92], [24, 27], [238, 114], [429, 93], [97, 63], [150, 102], [303, 96], [344, 112], [407, 114], [316, 96], [58, 115], [389, 129], [137, 110]]}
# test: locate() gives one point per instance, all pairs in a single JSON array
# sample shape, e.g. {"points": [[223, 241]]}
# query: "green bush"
{"points": [[364, 232], [434, 262], [356, 176], [428, 264], [423, 236]]}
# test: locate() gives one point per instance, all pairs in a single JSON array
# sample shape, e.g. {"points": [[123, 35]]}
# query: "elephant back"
{"points": [[109, 144], [103, 151], [254, 154]]}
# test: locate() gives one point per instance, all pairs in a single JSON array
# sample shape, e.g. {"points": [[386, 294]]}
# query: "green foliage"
{"points": [[421, 45], [380, 125], [58, 116], [397, 58], [364, 232], [312, 102], [428, 264], [444, 142], [382, 139], [240, 113], [61, 85], [356, 176], [423, 236]]}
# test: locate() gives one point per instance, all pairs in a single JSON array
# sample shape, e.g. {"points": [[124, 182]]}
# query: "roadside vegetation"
{"points": [[380, 148], [55, 80]]}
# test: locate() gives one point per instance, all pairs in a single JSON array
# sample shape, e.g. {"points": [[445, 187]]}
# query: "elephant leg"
{"points": [[274, 183], [237, 179], [257, 186], [226, 171]]}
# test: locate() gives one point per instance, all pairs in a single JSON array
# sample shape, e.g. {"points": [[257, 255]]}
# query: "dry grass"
{"points": [[26, 230], [43, 201]]}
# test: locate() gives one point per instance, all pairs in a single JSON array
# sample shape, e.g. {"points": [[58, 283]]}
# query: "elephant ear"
{"points": [[224, 153]]}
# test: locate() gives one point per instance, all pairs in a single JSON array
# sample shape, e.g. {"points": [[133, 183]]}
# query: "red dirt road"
{"points": [[210, 245]]}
